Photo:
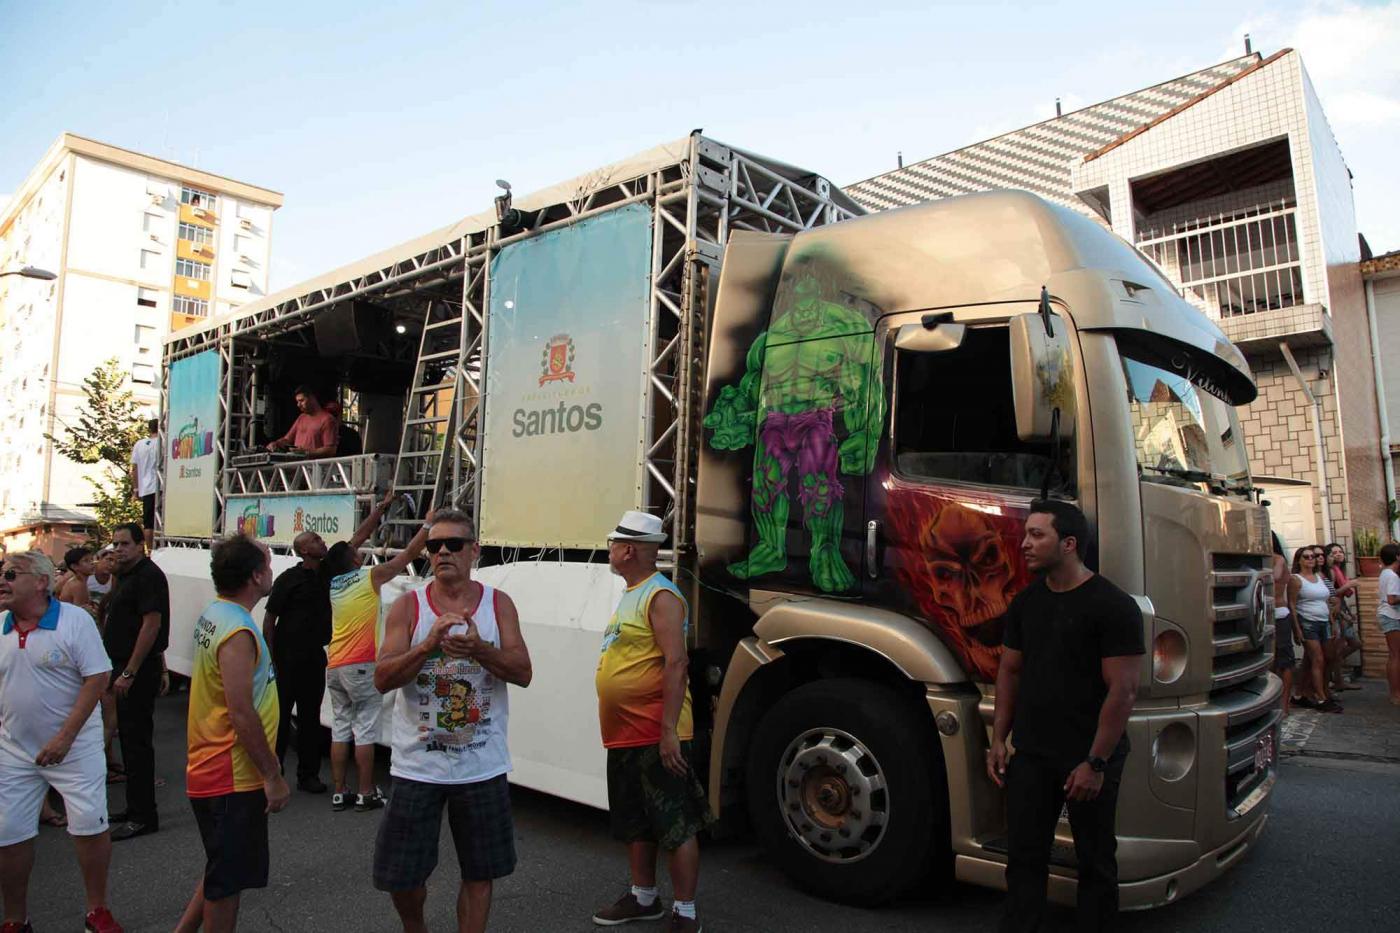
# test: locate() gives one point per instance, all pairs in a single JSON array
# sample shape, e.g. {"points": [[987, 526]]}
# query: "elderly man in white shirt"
{"points": [[53, 668]]}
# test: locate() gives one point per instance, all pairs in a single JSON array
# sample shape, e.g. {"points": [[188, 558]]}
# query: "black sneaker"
{"points": [[628, 908], [340, 800], [366, 802]]}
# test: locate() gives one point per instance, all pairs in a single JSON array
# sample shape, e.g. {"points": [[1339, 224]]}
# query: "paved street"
{"points": [[1326, 861]]}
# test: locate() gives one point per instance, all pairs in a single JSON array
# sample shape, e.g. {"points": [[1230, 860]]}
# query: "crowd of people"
{"points": [[450, 649], [1315, 605], [94, 636]]}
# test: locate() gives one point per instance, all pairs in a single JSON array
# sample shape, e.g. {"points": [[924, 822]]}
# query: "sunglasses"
{"points": [[452, 544], [10, 575]]}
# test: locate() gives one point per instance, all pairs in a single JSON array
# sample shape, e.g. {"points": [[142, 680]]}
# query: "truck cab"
{"points": [[884, 398]]}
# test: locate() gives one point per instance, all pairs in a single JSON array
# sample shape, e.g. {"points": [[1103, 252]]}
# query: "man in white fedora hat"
{"points": [[654, 797]]}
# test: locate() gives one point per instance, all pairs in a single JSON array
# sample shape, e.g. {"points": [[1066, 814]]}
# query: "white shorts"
{"points": [[355, 704], [82, 782]]}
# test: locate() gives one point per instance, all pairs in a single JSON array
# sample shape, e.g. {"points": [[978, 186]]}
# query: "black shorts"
{"points": [[483, 832], [1285, 656], [148, 511], [234, 830], [649, 803]]}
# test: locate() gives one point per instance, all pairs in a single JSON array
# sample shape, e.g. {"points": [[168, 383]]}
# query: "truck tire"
{"points": [[846, 790]]}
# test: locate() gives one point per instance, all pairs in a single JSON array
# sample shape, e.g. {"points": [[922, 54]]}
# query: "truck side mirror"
{"points": [[1042, 377], [930, 337]]}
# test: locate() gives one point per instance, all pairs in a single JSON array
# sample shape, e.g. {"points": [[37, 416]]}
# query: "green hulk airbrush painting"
{"points": [[814, 360]]}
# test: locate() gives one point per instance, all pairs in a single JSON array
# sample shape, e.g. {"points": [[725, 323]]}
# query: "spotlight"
{"points": [[400, 329], [503, 200]]}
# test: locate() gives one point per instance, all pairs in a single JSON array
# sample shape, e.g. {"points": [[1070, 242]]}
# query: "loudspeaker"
{"points": [[350, 327]]}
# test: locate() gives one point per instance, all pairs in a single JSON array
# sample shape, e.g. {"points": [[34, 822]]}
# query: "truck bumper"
{"points": [[1133, 895]]}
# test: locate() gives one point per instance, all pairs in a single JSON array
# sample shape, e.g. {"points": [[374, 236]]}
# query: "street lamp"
{"points": [[32, 272]]}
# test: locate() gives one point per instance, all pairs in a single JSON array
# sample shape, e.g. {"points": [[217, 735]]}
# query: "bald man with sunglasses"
{"points": [[450, 648]]}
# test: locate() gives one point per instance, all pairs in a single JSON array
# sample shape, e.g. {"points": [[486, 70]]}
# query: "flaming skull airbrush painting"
{"points": [[959, 560]]}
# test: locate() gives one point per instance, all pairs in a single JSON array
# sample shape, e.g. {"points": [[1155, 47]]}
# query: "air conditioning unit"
{"points": [[155, 237], [245, 223], [157, 198], [201, 212], [246, 259]]}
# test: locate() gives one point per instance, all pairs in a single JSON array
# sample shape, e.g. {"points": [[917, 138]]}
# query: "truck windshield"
{"points": [[1182, 432]]}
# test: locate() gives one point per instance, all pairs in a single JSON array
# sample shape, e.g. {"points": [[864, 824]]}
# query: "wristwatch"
{"points": [[1096, 764], [125, 675]]}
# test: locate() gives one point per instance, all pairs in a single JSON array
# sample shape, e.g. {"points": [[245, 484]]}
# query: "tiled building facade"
{"points": [[1231, 179]]}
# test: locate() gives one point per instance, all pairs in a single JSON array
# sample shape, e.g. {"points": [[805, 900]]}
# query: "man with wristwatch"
{"points": [[136, 633], [1065, 688]]}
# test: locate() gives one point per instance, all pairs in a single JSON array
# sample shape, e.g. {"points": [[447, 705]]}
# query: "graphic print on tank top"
{"points": [[454, 701]]}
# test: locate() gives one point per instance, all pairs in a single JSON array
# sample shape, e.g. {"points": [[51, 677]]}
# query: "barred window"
{"points": [[195, 307], [190, 269], [196, 197], [195, 233]]}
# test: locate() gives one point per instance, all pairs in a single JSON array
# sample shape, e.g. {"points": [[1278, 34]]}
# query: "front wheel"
{"points": [[846, 790]]}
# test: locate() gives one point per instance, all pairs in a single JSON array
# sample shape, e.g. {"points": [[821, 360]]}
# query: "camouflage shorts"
{"points": [[648, 803]]}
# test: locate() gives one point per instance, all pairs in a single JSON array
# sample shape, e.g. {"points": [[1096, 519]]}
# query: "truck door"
{"points": [[949, 495], [815, 428]]}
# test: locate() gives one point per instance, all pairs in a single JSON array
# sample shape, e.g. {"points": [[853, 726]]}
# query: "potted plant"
{"points": [[1368, 546]]}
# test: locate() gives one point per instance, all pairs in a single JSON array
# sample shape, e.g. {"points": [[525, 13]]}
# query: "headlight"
{"points": [[1168, 656]]}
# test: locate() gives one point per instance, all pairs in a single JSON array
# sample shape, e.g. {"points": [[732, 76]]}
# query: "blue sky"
{"points": [[381, 121]]}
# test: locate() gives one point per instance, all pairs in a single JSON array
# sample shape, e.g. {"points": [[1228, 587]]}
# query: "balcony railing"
{"points": [[1230, 265]]}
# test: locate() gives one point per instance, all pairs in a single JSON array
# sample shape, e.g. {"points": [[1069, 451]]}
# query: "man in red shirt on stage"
{"points": [[314, 433]]}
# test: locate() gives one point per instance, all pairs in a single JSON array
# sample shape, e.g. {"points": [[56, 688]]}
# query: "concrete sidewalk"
{"points": [[1369, 729]]}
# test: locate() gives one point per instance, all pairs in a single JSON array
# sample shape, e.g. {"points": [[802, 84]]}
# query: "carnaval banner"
{"points": [[279, 519], [191, 467], [566, 367]]}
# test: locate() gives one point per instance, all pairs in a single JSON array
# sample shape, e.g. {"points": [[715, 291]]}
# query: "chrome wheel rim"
{"points": [[833, 795]]}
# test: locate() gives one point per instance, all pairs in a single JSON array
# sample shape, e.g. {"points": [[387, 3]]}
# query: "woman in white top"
{"points": [[1388, 615], [1309, 600]]}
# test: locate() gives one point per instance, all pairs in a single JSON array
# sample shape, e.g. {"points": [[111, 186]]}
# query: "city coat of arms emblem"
{"points": [[558, 360]]}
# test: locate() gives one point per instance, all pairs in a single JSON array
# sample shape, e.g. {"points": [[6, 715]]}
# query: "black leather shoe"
{"points": [[312, 785], [132, 830]]}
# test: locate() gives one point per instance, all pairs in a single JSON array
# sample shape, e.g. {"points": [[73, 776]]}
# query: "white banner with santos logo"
{"points": [[279, 519], [566, 367]]}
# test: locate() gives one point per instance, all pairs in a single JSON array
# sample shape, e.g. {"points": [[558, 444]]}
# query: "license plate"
{"points": [[1264, 752]]}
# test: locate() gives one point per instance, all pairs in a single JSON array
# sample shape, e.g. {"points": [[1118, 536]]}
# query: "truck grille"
{"points": [[1251, 753], [1242, 619]]}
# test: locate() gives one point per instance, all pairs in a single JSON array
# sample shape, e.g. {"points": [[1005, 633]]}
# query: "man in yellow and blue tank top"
{"points": [[654, 797], [232, 777]]}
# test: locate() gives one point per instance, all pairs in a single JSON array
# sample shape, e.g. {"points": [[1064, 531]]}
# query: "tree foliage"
{"points": [[108, 425]]}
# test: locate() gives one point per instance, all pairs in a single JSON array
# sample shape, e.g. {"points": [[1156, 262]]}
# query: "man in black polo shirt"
{"points": [[138, 628], [297, 627], [1065, 688]]}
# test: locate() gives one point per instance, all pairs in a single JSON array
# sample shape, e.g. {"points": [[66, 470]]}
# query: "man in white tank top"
{"points": [[449, 650]]}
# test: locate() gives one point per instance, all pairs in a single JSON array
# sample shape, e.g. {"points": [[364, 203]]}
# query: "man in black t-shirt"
{"points": [[1065, 688], [136, 634], [297, 627]]}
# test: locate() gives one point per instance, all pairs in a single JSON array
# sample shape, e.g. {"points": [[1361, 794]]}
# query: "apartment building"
{"points": [[1382, 277], [139, 246], [1232, 180]]}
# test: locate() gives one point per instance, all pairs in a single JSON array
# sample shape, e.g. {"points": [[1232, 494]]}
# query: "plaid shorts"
{"points": [[406, 850], [648, 803]]}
